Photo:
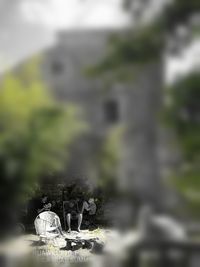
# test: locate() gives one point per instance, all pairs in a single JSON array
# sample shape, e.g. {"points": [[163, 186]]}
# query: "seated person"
{"points": [[74, 209], [90, 206], [45, 205]]}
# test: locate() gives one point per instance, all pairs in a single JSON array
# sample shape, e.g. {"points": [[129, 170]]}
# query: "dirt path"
{"points": [[56, 252]]}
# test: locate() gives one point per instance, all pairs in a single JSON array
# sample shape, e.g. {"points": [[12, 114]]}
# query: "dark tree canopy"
{"points": [[144, 43], [183, 114]]}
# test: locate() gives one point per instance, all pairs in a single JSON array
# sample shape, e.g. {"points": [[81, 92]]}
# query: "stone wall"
{"points": [[138, 104]]}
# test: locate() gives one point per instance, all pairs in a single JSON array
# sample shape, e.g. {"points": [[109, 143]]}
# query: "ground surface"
{"points": [[55, 251]]}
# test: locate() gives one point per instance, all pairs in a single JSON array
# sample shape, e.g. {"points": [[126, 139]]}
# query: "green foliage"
{"points": [[108, 158], [183, 115], [179, 12], [176, 11], [128, 52], [187, 183], [35, 133]]}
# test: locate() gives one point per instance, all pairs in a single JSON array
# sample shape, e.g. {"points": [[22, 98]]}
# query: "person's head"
{"points": [[91, 200], [71, 203], [44, 198]]}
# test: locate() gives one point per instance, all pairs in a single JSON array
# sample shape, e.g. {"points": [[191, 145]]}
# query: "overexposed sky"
{"points": [[185, 62], [29, 26], [67, 14]]}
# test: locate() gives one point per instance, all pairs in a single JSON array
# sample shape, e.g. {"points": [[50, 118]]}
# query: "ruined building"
{"points": [[134, 106]]}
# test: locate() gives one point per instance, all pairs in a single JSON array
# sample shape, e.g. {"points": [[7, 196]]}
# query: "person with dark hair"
{"points": [[44, 204]]}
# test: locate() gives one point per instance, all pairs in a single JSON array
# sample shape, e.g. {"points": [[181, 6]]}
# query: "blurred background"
{"points": [[100, 96]]}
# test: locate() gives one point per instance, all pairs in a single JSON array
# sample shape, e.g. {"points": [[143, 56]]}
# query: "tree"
{"points": [[182, 114], [35, 134], [108, 158], [145, 42]]}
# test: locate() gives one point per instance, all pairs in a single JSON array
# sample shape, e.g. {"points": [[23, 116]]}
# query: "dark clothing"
{"points": [[73, 207], [55, 207], [80, 206], [43, 206], [33, 207]]}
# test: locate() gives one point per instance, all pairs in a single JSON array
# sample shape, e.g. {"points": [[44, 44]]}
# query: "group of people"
{"points": [[73, 209]]}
